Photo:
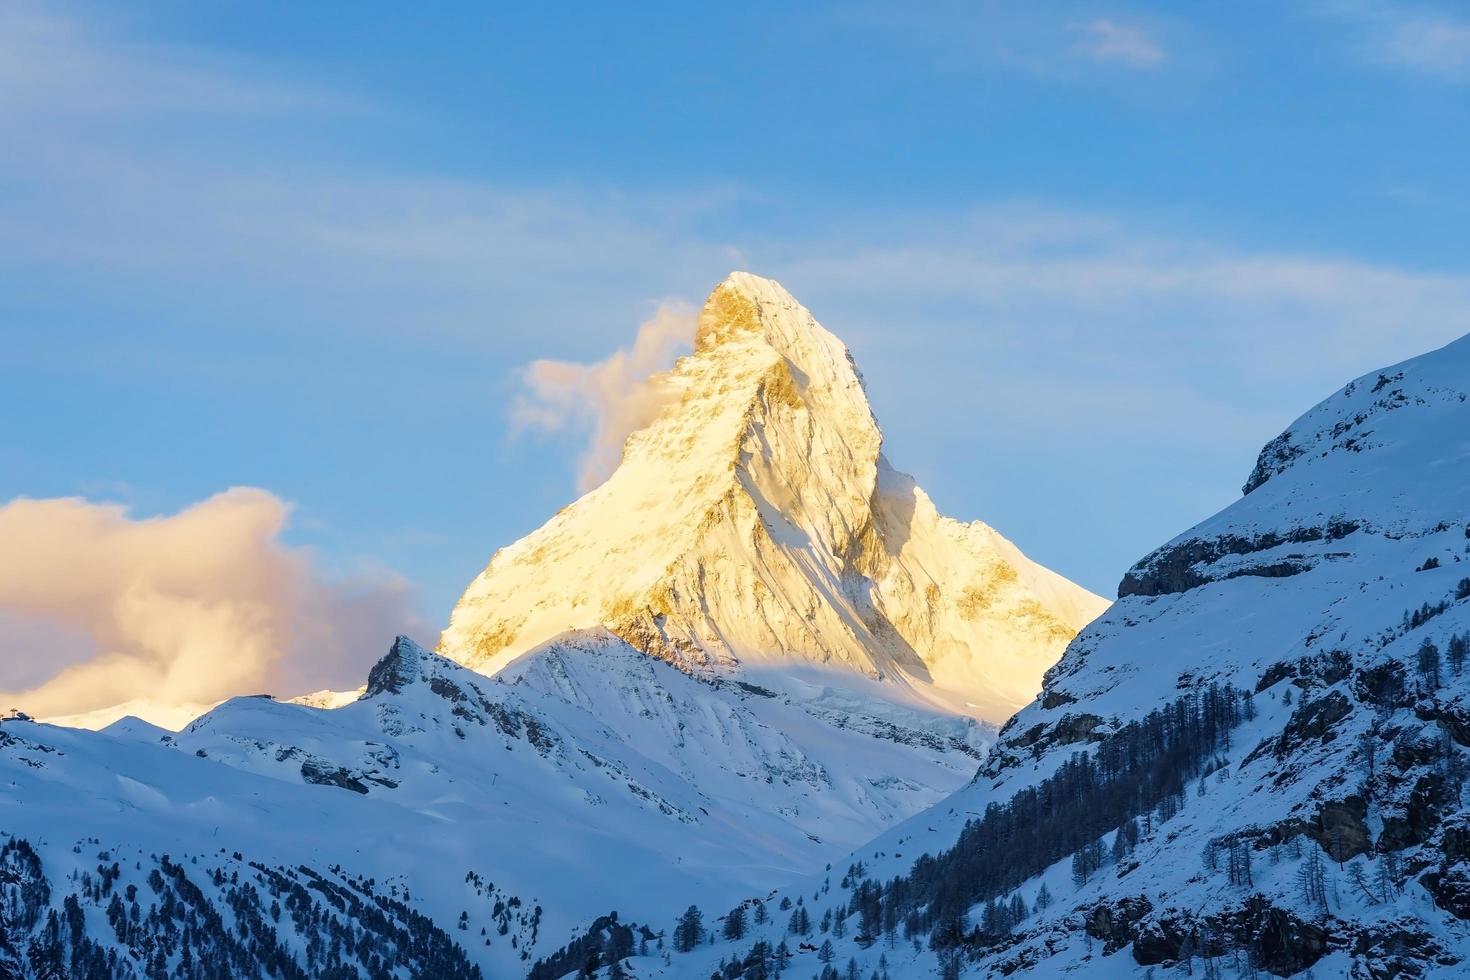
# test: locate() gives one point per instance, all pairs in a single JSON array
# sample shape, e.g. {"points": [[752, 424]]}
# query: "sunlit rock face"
{"points": [[755, 528]]}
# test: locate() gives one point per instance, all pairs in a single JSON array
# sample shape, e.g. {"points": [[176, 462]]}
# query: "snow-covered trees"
{"points": [[1140, 769]]}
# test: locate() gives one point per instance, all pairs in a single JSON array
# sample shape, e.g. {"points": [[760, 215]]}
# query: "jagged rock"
{"points": [[1394, 951], [1412, 750], [398, 669], [1274, 458], [319, 774], [1451, 717], [1055, 699], [1163, 940], [1287, 945], [1382, 684], [1454, 842], [1314, 721], [1181, 566], [1116, 924], [1450, 888], [1421, 815], [1341, 828], [1275, 674]]}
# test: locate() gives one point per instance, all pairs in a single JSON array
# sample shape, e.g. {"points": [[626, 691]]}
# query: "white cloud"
{"points": [[609, 399], [1053, 42], [1433, 44], [1176, 304], [192, 607], [1422, 39], [1108, 41]]}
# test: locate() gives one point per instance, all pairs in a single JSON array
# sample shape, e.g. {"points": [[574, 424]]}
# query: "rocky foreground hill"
{"points": [[1253, 763]]}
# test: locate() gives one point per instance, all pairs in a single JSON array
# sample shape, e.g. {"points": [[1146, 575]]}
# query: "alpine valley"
{"points": [[753, 708]]}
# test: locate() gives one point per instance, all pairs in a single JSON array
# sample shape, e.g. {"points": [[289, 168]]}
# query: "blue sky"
{"points": [[1090, 256]]}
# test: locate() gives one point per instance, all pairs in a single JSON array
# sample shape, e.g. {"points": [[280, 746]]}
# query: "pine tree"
{"points": [[1312, 879], [1239, 869], [1456, 651], [825, 953], [735, 923], [689, 932], [1429, 664], [1043, 898], [1386, 878], [1360, 882], [1120, 846]]}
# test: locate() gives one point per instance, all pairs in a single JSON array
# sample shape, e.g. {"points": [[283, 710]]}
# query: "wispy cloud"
{"points": [[608, 399], [1110, 280], [140, 161], [1110, 42], [157, 171], [62, 66], [484, 263], [1426, 40], [188, 608], [1050, 42], [1435, 44]]}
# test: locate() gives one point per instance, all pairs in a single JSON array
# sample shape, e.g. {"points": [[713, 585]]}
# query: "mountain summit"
{"points": [[755, 523]]}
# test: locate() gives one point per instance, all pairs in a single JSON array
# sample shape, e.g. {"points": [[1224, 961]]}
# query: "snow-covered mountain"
{"points": [[615, 781], [1251, 764], [755, 528], [751, 650]]}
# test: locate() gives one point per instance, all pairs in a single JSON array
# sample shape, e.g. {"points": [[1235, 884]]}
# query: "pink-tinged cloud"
{"points": [[189, 608], [608, 399]]}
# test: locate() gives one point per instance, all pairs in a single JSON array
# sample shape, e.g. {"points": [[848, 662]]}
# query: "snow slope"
{"points": [[630, 787], [1312, 598], [170, 715]]}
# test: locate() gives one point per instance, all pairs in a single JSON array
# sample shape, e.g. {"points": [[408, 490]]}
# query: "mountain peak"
{"points": [[745, 307], [398, 668], [755, 524], [1367, 413]]}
